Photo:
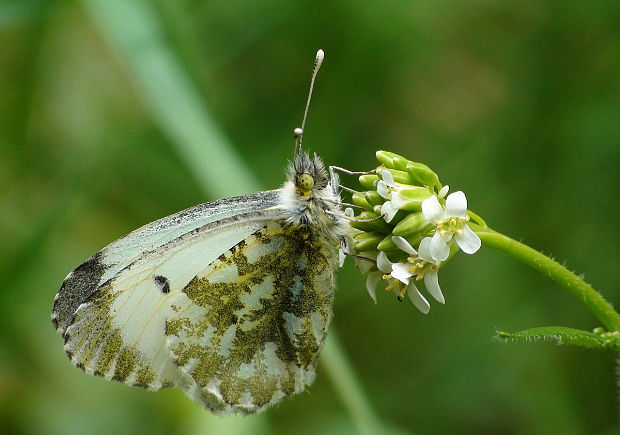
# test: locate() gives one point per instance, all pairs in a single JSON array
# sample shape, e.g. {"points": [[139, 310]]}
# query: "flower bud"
{"points": [[411, 224], [375, 224], [359, 199], [386, 158], [400, 163], [401, 177], [422, 174], [412, 197], [373, 198], [367, 241], [387, 244], [369, 181]]}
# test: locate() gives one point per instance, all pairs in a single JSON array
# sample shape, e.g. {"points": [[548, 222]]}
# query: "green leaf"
{"points": [[564, 335]]}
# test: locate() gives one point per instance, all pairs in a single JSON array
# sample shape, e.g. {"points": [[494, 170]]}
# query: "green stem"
{"points": [[602, 309]]}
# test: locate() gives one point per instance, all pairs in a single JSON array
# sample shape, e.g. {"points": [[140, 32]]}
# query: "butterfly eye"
{"points": [[305, 182]]}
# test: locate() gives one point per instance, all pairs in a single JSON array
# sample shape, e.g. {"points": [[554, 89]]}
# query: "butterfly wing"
{"points": [[82, 282], [112, 309], [252, 323]]}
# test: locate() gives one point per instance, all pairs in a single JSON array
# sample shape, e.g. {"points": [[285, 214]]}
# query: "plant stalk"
{"points": [[600, 307]]}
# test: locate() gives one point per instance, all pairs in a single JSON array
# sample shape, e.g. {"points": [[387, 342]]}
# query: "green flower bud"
{"points": [[411, 224], [367, 241], [400, 163], [412, 197], [359, 199], [422, 174], [369, 181], [387, 244], [415, 192], [386, 158], [373, 198], [401, 177], [378, 225]]}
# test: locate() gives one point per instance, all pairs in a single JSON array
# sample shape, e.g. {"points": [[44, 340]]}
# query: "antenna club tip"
{"points": [[320, 55], [298, 132]]}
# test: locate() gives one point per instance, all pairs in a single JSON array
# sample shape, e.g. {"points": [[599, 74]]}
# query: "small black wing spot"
{"points": [[162, 283]]}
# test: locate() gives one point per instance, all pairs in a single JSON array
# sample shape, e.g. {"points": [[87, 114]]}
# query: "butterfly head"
{"points": [[308, 195], [308, 174]]}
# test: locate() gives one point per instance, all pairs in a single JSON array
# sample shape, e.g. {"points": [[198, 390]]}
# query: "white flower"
{"points": [[450, 222], [375, 270], [386, 182], [402, 272], [421, 265], [387, 188]]}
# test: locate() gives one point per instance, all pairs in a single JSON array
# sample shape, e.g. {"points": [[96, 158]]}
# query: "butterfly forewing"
{"points": [[118, 332], [104, 265], [253, 322]]}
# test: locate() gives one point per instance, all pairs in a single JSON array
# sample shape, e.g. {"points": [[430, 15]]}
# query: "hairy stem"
{"points": [[602, 309]]}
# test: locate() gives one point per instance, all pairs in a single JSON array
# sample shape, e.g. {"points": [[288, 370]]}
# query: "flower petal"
{"points": [[371, 284], [383, 264], [388, 211], [383, 190], [443, 191], [431, 281], [424, 251], [468, 241], [396, 200], [402, 272], [456, 205], [417, 299], [439, 247], [387, 177], [404, 245], [432, 209]]}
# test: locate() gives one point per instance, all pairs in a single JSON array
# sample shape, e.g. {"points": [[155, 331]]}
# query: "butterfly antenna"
{"points": [[298, 133]]}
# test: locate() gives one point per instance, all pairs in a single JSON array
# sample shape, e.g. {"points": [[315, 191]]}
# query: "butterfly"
{"points": [[229, 300]]}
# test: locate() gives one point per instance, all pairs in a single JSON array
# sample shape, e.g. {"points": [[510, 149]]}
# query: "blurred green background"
{"points": [[114, 113]]}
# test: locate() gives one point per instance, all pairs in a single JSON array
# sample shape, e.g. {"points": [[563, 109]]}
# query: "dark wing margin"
{"points": [[77, 287]]}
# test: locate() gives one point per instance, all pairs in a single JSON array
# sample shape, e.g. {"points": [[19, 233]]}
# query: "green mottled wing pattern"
{"points": [[96, 342], [249, 327], [118, 332]]}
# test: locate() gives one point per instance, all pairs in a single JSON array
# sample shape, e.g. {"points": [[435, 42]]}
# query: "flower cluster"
{"points": [[409, 228]]}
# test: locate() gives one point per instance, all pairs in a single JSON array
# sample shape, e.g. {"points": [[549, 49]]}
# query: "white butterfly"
{"points": [[229, 300]]}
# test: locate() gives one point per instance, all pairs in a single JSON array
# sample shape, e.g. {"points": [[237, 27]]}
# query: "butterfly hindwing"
{"points": [[256, 320], [118, 332]]}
